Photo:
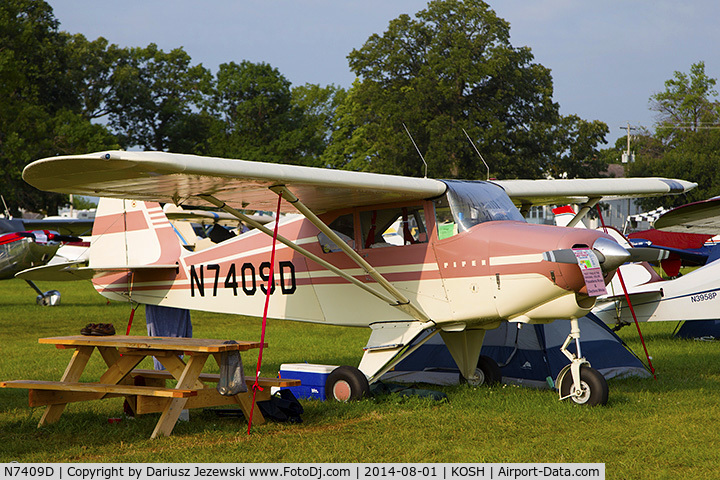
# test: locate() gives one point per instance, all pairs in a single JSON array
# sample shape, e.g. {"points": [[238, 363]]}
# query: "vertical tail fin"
{"points": [[132, 233]]}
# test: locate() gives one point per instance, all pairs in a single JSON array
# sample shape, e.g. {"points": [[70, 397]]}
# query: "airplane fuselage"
{"points": [[490, 272]]}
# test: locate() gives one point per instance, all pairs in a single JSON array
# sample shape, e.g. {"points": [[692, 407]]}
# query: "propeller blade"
{"points": [[644, 254], [639, 254], [564, 255], [609, 253], [66, 238]]}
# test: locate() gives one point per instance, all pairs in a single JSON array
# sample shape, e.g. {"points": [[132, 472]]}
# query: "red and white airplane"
{"points": [[690, 297], [466, 261], [22, 248]]}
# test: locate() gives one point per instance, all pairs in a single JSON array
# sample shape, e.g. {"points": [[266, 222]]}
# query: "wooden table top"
{"points": [[206, 345]]}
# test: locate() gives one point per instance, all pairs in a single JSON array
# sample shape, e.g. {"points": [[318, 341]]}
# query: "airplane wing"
{"points": [[204, 217], [580, 190], [697, 217], [65, 226], [179, 178]]}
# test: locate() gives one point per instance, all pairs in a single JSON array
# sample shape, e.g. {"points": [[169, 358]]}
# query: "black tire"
{"points": [[488, 372], [595, 389], [346, 383]]}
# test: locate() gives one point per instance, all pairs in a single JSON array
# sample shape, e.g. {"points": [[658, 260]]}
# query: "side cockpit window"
{"points": [[446, 226], [393, 227], [343, 227]]}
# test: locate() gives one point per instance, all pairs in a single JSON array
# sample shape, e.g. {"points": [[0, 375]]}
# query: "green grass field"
{"points": [[650, 429]]}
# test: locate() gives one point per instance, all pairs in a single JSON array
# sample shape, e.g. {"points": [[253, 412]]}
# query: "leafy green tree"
{"points": [[579, 156], [451, 68], [40, 114], [686, 104], [155, 98], [318, 106], [682, 147], [261, 118], [90, 67]]}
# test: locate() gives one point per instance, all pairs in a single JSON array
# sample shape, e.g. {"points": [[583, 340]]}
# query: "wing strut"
{"points": [[584, 209], [406, 307]]}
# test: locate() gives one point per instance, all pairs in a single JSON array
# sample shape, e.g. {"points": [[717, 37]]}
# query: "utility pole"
{"points": [[627, 156]]}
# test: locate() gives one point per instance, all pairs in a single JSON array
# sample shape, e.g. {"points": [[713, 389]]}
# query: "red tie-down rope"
{"points": [[130, 320], [627, 299], [271, 285]]}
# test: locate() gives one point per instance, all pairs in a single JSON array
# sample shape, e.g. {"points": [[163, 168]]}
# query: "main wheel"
{"points": [[594, 389], [346, 383], [48, 299], [487, 372]]}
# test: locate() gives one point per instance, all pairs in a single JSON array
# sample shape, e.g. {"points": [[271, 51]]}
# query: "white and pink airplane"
{"points": [[401, 255]]}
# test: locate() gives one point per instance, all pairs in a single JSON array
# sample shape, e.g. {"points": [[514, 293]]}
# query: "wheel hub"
{"points": [[583, 395], [341, 391], [479, 378]]}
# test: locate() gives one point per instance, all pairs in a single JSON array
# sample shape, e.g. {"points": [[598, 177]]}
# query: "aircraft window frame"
{"points": [[344, 227], [472, 202], [379, 222], [444, 220]]}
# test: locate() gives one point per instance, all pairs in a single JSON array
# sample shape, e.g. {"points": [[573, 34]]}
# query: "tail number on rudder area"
{"points": [[243, 278]]}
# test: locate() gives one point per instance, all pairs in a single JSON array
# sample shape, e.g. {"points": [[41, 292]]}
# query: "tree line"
{"points": [[446, 74]]}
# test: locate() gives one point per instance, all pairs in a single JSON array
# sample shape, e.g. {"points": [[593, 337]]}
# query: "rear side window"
{"points": [[393, 227]]}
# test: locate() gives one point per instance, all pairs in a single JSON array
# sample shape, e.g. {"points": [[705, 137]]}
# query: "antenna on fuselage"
{"points": [[478, 152], [416, 148]]}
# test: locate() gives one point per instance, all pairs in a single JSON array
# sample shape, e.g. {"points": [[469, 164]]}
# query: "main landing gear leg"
{"points": [[584, 385]]}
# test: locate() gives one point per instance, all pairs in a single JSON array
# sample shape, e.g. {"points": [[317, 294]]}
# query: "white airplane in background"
{"points": [[29, 243], [467, 262], [693, 296]]}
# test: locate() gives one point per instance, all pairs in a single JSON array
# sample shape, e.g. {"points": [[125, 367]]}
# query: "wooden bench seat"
{"points": [[207, 397], [215, 377], [99, 388]]}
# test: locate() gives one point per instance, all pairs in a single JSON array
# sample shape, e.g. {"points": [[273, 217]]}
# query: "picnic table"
{"points": [[122, 354]]}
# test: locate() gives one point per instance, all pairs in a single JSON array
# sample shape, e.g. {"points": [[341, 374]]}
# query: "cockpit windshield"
{"points": [[473, 202]]}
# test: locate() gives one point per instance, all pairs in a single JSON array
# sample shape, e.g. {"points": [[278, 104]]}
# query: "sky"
{"points": [[607, 58]]}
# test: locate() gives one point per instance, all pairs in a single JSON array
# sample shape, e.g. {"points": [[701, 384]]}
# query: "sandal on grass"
{"points": [[88, 329], [103, 329]]}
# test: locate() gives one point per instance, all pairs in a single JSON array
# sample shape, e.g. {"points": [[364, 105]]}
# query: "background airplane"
{"points": [[689, 232], [694, 296], [467, 260], [29, 243]]}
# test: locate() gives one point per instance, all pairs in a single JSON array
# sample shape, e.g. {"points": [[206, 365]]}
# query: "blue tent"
{"points": [[526, 354], [703, 329]]}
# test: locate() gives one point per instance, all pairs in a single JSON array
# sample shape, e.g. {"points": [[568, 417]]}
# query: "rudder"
{"points": [[128, 233]]}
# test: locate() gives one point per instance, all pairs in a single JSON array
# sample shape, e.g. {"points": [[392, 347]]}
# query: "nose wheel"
{"points": [[593, 388], [579, 381]]}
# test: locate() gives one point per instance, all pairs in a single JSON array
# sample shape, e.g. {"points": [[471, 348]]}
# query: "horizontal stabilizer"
{"points": [[58, 272], [71, 271], [121, 268], [633, 291]]}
